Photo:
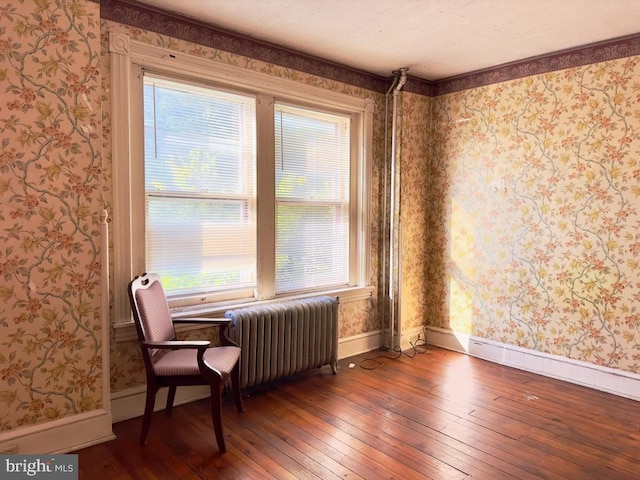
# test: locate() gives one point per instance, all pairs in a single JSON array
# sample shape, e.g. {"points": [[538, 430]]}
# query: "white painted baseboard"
{"points": [[410, 337], [617, 382], [129, 403], [365, 342], [59, 436]]}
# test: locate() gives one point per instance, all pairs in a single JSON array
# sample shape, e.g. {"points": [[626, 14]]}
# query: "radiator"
{"points": [[283, 339]]}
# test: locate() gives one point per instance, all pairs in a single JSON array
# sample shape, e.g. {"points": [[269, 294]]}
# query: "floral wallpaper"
{"points": [[518, 209], [534, 208], [414, 152], [358, 317], [50, 203]]}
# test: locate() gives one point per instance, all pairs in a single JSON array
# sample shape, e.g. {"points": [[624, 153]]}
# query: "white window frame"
{"points": [[127, 60]]}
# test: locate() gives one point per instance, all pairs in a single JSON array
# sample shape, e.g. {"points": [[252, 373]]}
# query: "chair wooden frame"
{"points": [[210, 373]]}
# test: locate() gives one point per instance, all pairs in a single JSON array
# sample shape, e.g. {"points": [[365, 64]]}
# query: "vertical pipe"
{"points": [[401, 79], [384, 304], [104, 310]]}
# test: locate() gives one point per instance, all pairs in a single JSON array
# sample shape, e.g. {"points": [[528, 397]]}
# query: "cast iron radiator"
{"points": [[287, 338]]}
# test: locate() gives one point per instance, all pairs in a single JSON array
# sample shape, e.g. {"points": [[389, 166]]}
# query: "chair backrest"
{"points": [[150, 309]]}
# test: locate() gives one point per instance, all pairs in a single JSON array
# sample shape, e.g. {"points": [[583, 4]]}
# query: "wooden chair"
{"points": [[172, 363]]}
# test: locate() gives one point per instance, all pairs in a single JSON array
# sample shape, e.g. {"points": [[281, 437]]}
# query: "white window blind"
{"points": [[200, 195], [312, 156]]}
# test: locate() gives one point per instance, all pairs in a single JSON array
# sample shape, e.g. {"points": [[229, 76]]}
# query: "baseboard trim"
{"points": [[129, 403], [357, 344], [60, 436], [412, 338], [610, 380]]}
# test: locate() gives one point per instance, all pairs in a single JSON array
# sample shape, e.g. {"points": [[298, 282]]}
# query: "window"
{"points": [[200, 195], [233, 185], [312, 199]]}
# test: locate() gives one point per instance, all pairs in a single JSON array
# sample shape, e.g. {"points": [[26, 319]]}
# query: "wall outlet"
{"points": [[8, 449]]}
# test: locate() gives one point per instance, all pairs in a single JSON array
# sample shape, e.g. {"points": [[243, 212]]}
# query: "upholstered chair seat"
{"points": [[185, 362]]}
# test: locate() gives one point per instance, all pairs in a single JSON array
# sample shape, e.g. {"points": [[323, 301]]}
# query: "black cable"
{"points": [[420, 347]]}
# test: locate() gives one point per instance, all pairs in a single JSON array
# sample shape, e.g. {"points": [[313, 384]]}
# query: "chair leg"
{"points": [[170, 398], [235, 386], [148, 411], [216, 414]]}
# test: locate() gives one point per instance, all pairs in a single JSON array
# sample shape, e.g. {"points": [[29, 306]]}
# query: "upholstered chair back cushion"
{"points": [[154, 314]]}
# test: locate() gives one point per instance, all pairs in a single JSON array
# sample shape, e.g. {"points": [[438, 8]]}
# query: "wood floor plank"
{"points": [[438, 415], [594, 462], [104, 461], [391, 433], [366, 443], [303, 427], [409, 428], [302, 465], [605, 437], [437, 444], [508, 450]]}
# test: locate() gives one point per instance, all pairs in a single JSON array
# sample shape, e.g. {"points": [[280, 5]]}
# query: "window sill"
{"points": [[126, 331]]}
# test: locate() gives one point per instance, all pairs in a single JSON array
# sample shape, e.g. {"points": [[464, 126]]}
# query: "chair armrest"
{"points": [[203, 320], [175, 344], [223, 323]]}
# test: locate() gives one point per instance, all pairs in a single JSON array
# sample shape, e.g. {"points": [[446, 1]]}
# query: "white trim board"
{"points": [[610, 380], [60, 436], [129, 403], [364, 342]]}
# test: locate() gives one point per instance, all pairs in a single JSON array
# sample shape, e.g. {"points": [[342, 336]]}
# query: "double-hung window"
{"points": [[312, 156], [239, 186], [200, 192]]}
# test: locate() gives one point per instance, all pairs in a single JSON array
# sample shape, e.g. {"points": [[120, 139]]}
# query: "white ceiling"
{"points": [[435, 38]]}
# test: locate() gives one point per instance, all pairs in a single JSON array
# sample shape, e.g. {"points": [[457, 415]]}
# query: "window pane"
{"points": [[199, 187], [201, 245], [311, 247], [312, 199]]}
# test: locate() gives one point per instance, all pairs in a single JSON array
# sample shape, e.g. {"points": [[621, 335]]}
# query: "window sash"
{"points": [[200, 201], [312, 165]]}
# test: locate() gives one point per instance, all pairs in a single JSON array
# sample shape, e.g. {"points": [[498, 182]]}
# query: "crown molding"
{"points": [[145, 17], [613, 49]]}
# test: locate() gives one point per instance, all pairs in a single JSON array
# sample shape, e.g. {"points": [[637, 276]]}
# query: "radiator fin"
{"points": [[283, 339]]}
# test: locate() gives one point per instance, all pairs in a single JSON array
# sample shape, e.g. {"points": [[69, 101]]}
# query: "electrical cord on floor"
{"points": [[419, 347]]}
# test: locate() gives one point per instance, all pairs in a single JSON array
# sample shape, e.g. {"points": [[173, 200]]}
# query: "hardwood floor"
{"points": [[438, 415]]}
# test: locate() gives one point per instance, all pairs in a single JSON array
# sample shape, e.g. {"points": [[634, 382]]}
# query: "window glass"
{"points": [[312, 159], [200, 200]]}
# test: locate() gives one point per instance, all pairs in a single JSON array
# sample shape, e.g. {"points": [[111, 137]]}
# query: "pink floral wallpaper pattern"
{"points": [[518, 205], [414, 151], [50, 202], [534, 210]]}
